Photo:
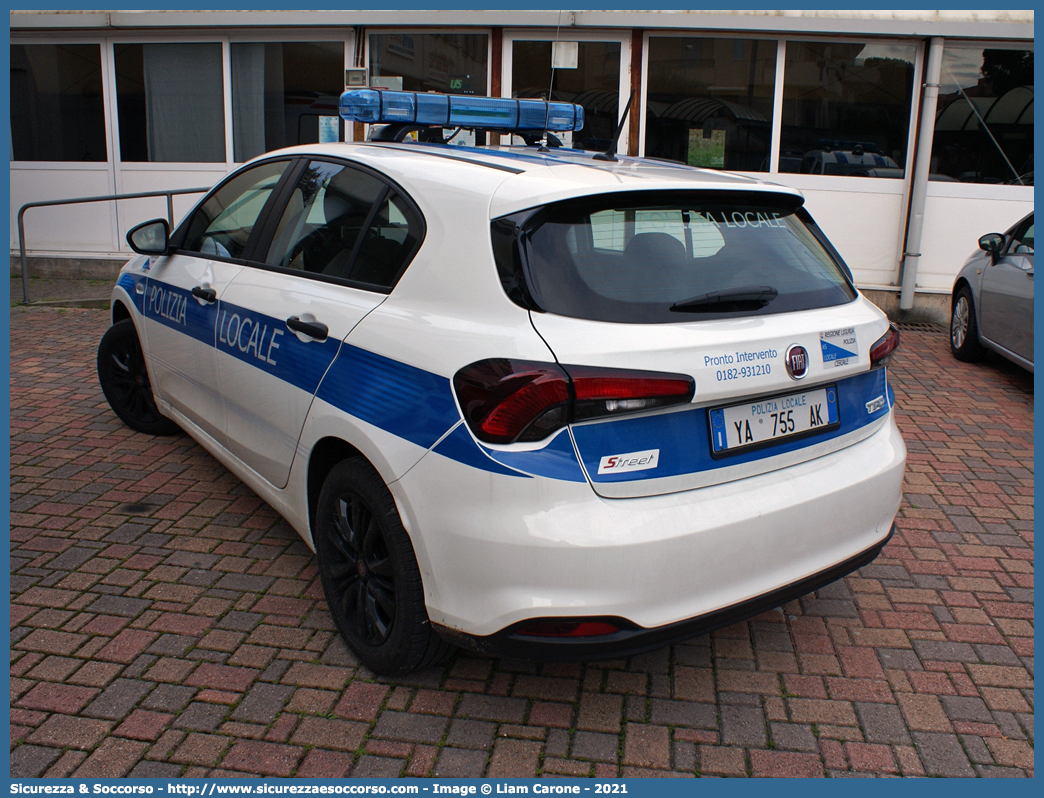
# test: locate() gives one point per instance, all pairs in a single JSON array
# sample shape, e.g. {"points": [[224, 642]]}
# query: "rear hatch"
{"points": [[738, 291]]}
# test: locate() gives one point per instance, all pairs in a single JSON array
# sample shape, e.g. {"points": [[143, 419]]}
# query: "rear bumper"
{"points": [[495, 551], [635, 640]]}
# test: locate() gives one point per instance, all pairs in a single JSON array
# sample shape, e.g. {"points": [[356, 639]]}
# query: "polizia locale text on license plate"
{"points": [[767, 420]]}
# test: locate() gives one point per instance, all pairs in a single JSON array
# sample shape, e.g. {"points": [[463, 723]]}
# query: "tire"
{"points": [[369, 573], [125, 381], [964, 331]]}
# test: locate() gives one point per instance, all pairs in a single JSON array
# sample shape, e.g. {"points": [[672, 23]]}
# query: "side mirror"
{"points": [[992, 243], [150, 238]]}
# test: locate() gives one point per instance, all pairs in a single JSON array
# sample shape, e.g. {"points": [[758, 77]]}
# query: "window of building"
{"points": [[594, 84], [709, 102], [984, 121], [846, 108], [57, 108], [170, 102], [285, 94], [454, 63]]}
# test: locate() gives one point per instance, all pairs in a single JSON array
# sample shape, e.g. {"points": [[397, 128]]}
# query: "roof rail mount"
{"points": [[434, 134]]}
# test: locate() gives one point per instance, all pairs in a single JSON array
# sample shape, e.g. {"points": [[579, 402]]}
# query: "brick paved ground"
{"points": [[166, 622]]}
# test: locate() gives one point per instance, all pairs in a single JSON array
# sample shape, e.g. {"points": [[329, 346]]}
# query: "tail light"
{"points": [[556, 628], [508, 401], [604, 392], [881, 351], [513, 400]]}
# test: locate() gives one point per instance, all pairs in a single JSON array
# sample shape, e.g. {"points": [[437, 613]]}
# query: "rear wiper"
{"points": [[729, 300]]}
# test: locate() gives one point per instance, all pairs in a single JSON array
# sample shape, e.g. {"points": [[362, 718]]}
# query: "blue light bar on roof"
{"points": [[458, 110]]}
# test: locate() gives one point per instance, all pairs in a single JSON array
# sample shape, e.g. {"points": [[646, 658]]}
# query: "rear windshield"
{"points": [[659, 258]]}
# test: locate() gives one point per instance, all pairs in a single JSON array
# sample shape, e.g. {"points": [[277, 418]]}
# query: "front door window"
{"points": [[222, 225]]}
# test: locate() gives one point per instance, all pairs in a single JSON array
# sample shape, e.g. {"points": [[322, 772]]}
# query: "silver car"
{"points": [[992, 304]]}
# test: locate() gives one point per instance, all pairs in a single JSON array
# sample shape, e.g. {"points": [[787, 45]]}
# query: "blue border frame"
{"points": [[635, 786]]}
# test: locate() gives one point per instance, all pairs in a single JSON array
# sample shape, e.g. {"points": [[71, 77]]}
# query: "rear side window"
{"points": [[659, 258], [344, 223], [391, 239], [322, 222]]}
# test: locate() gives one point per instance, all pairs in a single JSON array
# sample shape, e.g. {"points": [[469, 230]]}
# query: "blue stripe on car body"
{"points": [[176, 308], [683, 438], [418, 405], [129, 282], [556, 460], [460, 446], [269, 345], [401, 399]]}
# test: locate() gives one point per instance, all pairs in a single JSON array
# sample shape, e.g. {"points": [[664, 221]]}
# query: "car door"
{"points": [[183, 288], [331, 256], [1007, 294]]}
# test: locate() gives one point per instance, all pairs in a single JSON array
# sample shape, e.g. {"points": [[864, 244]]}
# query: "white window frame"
{"points": [[917, 79], [384, 31], [569, 34], [165, 166], [85, 166], [709, 34], [940, 188], [347, 37]]}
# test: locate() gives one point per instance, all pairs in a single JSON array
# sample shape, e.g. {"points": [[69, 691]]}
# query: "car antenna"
{"points": [[550, 89], [610, 153]]}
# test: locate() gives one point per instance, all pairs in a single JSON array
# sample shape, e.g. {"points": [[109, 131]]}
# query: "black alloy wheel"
{"points": [[360, 570], [369, 573], [125, 382]]}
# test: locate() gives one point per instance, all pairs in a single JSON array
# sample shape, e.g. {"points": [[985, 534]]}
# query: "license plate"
{"points": [[776, 418]]}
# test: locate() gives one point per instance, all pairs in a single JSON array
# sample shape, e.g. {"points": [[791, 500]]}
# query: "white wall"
{"points": [[955, 216], [81, 229], [862, 217], [98, 228]]}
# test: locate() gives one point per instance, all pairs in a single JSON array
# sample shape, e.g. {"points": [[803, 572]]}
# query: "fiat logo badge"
{"points": [[796, 361]]}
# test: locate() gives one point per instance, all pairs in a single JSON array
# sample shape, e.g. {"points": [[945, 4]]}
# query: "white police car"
{"points": [[519, 399]]}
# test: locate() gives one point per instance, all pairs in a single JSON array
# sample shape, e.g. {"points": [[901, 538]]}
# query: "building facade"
{"points": [[890, 122]]}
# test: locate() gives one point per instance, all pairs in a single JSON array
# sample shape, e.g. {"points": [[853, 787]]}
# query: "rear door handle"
{"points": [[312, 329], [206, 294]]}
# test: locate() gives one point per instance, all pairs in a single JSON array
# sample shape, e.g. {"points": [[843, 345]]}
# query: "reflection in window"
{"points": [[1022, 239], [345, 223], [285, 94], [389, 243], [710, 102], [57, 112], [170, 101], [222, 225], [324, 218], [594, 84], [846, 108], [984, 122], [630, 262]]}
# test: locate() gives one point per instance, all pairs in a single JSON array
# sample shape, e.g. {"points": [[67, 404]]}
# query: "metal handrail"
{"points": [[106, 198]]}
